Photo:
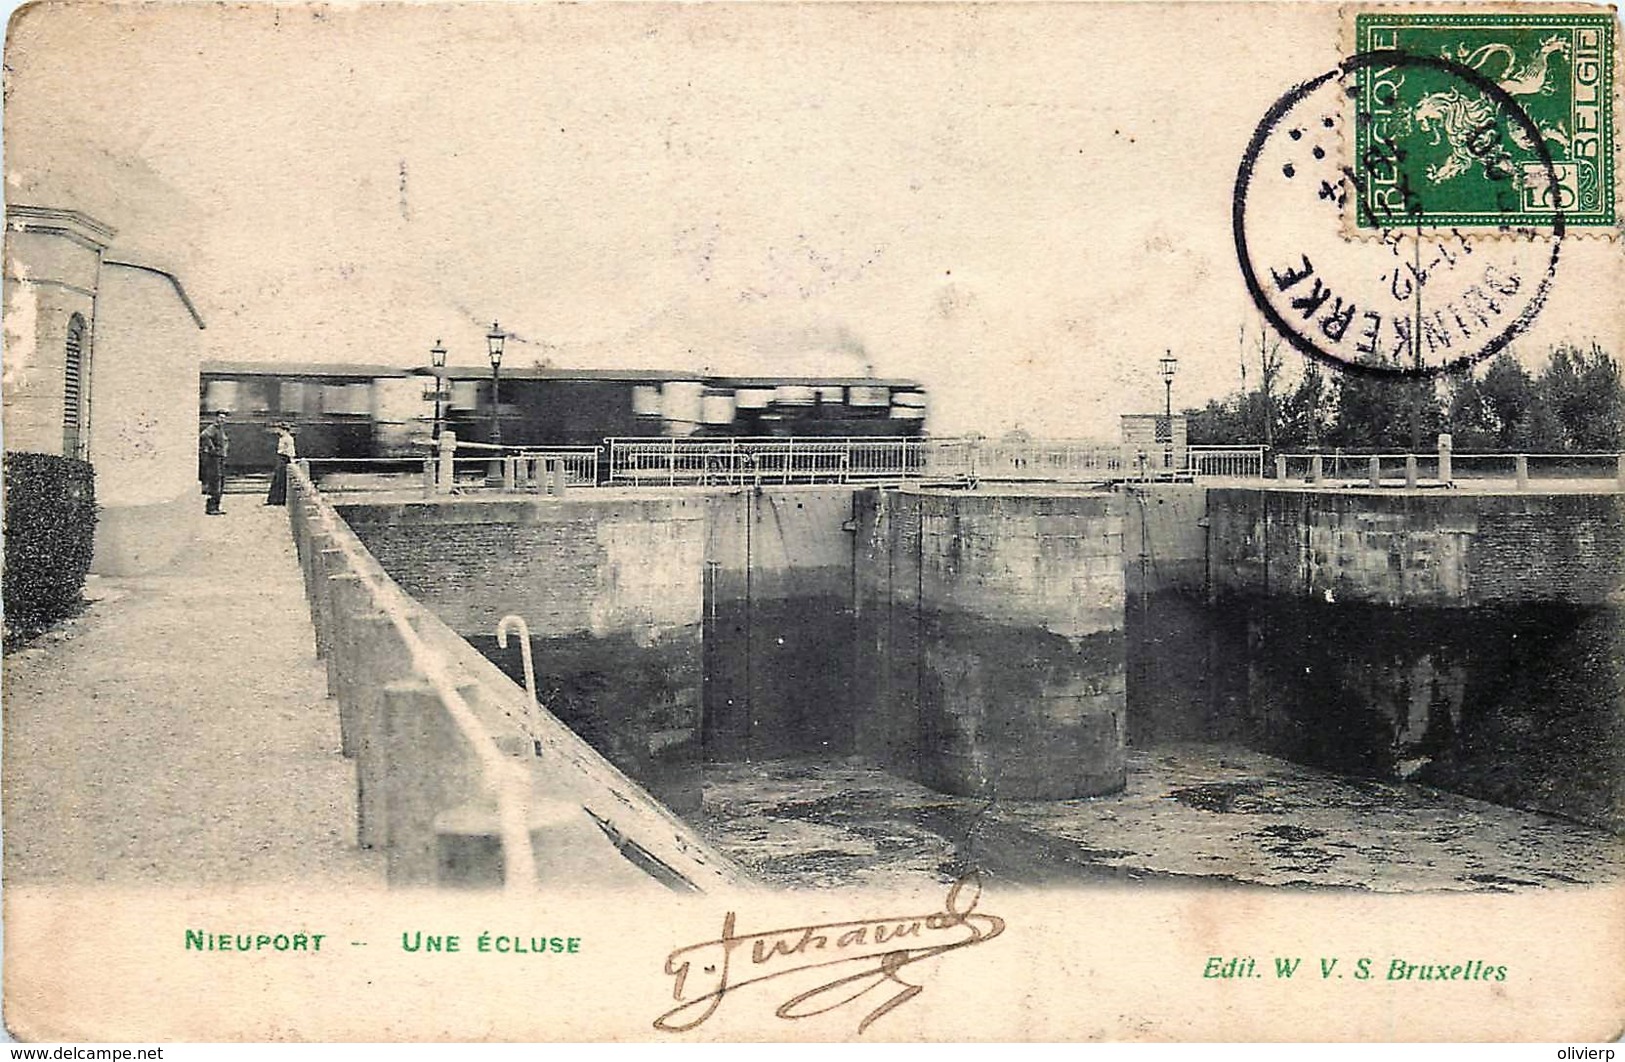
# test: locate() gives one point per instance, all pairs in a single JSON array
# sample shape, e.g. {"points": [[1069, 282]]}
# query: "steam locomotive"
{"points": [[381, 411]]}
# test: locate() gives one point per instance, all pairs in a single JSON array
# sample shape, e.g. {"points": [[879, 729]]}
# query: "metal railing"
{"points": [[534, 469], [1054, 460], [465, 466], [841, 460], [1234, 462], [622, 461], [674, 461], [1444, 467], [1083, 461]]}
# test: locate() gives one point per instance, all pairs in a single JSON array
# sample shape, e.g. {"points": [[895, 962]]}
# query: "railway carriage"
{"points": [[373, 412]]}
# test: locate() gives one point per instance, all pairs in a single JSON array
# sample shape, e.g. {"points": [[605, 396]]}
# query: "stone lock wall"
{"points": [[1435, 548], [993, 641], [972, 640], [779, 636], [994, 648], [612, 591]]}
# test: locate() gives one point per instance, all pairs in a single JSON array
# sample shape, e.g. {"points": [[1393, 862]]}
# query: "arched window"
{"points": [[75, 390]]}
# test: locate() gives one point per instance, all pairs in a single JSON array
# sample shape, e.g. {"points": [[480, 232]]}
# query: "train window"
{"points": [[908, 405], [346, 398], [254, 396], [869, 396], [645, 400], [292, 396], [220, 394]]}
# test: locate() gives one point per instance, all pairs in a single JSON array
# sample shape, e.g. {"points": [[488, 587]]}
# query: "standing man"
{"points": [[213, 446]]}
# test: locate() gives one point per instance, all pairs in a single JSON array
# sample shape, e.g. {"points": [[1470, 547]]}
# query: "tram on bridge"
{"points": [[370, 413]]}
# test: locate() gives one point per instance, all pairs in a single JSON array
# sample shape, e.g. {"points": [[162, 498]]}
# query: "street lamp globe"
{"points": [[493, 342], [437, 355], [1167, 365]]}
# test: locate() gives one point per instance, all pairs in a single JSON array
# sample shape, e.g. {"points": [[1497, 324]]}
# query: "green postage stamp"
{"points": [[1454, 135]]}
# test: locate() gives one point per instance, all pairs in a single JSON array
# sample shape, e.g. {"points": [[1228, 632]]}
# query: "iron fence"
{"points": [[1236, 462], [1055, 460], [578, 465], [787, 460], [1446, 468], [763, 460], [674, 461]]}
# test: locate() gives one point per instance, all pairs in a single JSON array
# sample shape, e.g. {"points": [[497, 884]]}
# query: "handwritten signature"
{"points": [[880, 947]]}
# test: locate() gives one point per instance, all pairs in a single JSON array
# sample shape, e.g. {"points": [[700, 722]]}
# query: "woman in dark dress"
{"points": [[278, 494]]}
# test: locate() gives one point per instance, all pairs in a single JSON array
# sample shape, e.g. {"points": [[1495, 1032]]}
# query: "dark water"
{"points": [[1522, 706]]}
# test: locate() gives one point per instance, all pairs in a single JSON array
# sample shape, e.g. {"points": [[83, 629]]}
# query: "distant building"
{"points": [[1161, 438], [101, 363]]}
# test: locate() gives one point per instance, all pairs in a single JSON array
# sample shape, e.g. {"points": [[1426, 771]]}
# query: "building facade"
{"points": [[101, 364], [1161, 438]]}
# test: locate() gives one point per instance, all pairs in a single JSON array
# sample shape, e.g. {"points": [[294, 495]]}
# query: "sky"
{"points": [[1023, 206]]}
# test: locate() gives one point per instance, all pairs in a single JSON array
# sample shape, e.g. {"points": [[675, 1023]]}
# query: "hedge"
{"points": [[50, 524]]}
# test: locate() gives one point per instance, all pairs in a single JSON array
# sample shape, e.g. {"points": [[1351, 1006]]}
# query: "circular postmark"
{"points": [[1419, 295]]}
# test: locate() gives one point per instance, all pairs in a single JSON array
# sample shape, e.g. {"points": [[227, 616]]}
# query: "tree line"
{"points": [[1574, 404]]}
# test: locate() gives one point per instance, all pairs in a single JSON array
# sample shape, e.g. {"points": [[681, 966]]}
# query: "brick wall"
{"points": [[1562, 547], [571, 565]]}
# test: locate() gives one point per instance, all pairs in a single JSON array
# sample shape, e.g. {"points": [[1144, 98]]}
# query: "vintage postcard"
{"points": [[823, 522]]}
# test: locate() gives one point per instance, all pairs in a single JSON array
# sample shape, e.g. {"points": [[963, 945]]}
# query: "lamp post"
{"points": [[493, 345], [437, 357], [1167, 365]]}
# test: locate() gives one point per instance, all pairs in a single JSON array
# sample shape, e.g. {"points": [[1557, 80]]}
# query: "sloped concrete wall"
{"points": [[431, 777]]}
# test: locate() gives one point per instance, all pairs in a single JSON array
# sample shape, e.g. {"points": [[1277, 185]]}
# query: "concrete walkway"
{"points": [[179, 732]]}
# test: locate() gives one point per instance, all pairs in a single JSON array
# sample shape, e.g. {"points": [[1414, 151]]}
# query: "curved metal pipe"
{"points": [[517, 625]]}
